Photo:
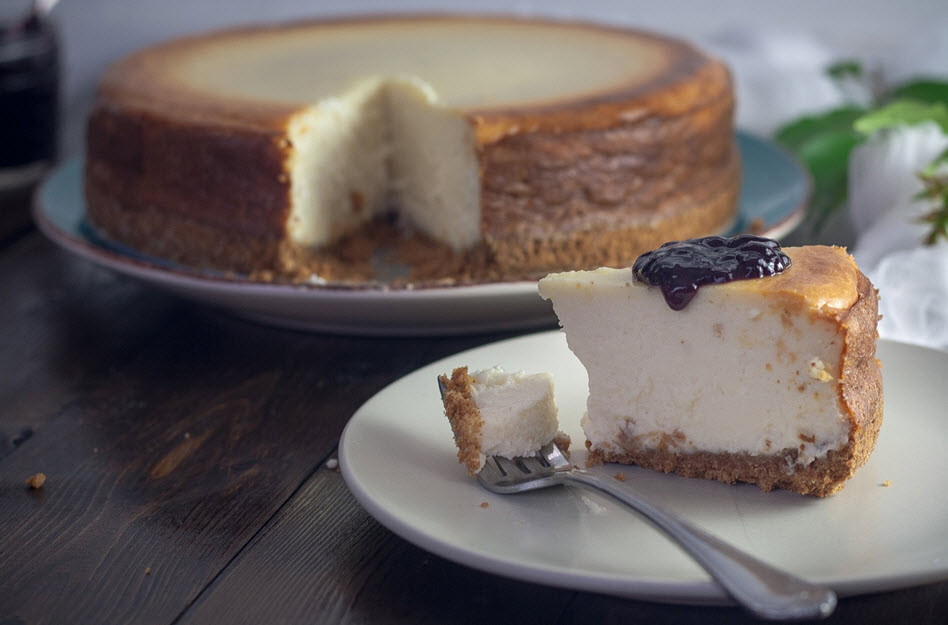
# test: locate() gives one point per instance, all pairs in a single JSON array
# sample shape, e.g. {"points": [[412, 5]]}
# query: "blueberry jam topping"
{"points": [[680, 267]]}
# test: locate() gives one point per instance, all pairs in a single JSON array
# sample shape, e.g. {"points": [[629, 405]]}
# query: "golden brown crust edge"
{"points": [[146, 79], [464, 416], [562, 201], [861, 397], [709, 210], [227, 177], [145, 188], [861, 384]]}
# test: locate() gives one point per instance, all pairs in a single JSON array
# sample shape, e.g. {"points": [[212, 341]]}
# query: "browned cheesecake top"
{"points": [[825, 278], [509, 74]]}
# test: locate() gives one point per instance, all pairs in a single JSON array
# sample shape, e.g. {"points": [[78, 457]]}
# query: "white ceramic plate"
{"points": [[775, 191], [398, 459]]}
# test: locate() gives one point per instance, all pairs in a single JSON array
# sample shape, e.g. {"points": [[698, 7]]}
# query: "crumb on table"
{"points": [[36, 480]]}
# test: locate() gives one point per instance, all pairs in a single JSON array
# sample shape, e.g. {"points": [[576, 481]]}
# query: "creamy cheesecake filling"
{"points": [[338, 165], [518, 411], [760, 380], [435, 179], [385, 143]]}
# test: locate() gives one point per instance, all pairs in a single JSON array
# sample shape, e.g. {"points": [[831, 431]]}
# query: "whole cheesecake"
{"points": [[476, 148]]}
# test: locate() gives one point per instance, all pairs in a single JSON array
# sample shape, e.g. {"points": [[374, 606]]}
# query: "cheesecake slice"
{"points": [[497, 413], [498, 148], [768, 380]]}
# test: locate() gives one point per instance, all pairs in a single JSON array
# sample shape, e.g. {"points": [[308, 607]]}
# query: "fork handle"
{"points": [[764, 590]]}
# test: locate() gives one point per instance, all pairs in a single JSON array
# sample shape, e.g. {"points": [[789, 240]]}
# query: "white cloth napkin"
{"points": [[912, 277], [778, 76], [781, 76]]}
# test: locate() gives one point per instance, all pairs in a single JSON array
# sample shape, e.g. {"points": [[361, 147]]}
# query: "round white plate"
{"points": [[398, 459], [775, 190]]}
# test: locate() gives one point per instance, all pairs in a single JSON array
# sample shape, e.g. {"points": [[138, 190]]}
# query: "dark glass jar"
{"points": [[29, 100]]}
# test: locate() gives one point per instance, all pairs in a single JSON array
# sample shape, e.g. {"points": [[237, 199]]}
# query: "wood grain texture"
{"points": [[154, 481], [157, 478], [61, 332], [325, 560], [169, 435]]}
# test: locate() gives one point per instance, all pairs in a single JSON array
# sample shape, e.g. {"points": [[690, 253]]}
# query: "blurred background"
{"points": [[805, 34]]}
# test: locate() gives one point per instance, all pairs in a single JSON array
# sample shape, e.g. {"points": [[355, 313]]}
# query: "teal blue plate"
{"points": [[775, 188], [773, 199]]}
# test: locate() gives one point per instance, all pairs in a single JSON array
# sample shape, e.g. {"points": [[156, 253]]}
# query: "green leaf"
{"points": [[930, 91], [824, 141], [845, 69], [827, 157], [902, 112], [828, 153], [795, 134]]}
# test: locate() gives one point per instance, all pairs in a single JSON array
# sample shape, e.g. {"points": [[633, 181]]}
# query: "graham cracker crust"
{"points": [[465, 418]]}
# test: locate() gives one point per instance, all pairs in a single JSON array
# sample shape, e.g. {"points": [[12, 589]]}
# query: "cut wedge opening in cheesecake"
{"points": [[385, 147]]}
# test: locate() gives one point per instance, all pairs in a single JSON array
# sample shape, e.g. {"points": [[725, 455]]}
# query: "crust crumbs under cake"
{"points": [[772, 381], [474, 147]]}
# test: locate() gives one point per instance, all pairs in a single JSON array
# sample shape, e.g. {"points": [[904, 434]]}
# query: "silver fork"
{"points": [[764, 590]]}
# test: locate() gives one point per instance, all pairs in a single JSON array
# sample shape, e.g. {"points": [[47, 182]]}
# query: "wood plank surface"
{"points": [[166, 443], [155, 480], [325, 560], [66, 325]]}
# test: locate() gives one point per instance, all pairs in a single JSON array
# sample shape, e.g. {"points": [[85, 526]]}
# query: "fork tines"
{"points": [[545, 461], [525, 465]]}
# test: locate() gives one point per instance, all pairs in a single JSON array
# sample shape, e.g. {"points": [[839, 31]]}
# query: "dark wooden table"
{"points": [[187, 461]]}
